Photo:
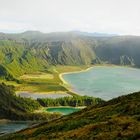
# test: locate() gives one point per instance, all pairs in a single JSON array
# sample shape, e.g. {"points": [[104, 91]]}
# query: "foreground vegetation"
{"points": [[18, 108], [117, 119], [70, 101]]}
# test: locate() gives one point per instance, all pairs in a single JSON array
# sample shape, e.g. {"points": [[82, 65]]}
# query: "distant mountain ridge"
{"points": [[95, 34], [35, 51], [38, 33]]}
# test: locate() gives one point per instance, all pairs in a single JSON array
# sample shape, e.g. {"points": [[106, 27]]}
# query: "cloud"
{"points": [[112, 16]]}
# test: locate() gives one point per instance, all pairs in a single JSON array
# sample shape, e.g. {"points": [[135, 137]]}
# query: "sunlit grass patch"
{"points": [[37, 76], [43, 82]]}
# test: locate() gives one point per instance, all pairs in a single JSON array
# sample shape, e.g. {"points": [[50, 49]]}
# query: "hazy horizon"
{"points": [[110, 16], [69, 31]]}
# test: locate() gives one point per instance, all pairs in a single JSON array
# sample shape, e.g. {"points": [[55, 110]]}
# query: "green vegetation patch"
{"points": [[118, 118], [18, 108]]}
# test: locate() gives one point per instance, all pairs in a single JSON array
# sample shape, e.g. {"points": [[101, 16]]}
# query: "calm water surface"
{"points": [[40, 95], [63, 110], [10, 127], [105, 82]]}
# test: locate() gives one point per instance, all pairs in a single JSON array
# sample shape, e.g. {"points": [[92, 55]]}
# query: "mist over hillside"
{"points": [[35, 51]]}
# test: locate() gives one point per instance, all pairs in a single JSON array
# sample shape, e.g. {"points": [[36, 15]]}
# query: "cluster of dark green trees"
{"points": [[70, 101]]}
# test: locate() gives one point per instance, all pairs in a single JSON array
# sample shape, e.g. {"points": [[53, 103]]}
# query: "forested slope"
{"points": [[18, 108]]}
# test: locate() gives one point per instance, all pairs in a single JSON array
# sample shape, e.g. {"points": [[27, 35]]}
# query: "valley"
{"points": [[70, 70], [66, 83], [32, 61]]}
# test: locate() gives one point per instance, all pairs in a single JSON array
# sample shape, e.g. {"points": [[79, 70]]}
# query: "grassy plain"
{"points": [[45, 82]]}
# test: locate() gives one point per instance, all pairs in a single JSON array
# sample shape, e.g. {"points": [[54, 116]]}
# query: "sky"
{"points": [[104, 16]]}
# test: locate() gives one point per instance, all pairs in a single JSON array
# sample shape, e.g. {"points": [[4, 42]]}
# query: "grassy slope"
{"points": [[45, 84], [25, 58], [115, 119], [17, 108]]}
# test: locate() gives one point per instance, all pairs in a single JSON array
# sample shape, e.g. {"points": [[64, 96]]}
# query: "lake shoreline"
{"points": [[124, 73], [67, 85], [64, 110], [90, 67], [81, 107], [44, 109], [49, 92]]}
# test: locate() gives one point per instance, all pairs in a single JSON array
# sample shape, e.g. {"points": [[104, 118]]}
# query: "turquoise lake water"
{"points": [[105, 82], [63, 110]]}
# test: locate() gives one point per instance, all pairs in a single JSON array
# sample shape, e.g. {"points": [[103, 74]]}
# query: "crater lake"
{"points": [[105, 82]]}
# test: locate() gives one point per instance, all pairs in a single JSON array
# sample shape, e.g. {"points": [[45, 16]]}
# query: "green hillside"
{"points": [[17, 108], [18, 58], [13, 107], [121, 50], [35, 51], [117, 119]]}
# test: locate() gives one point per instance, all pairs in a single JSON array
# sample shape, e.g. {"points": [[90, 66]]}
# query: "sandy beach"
{"points": [[61, 74]]}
